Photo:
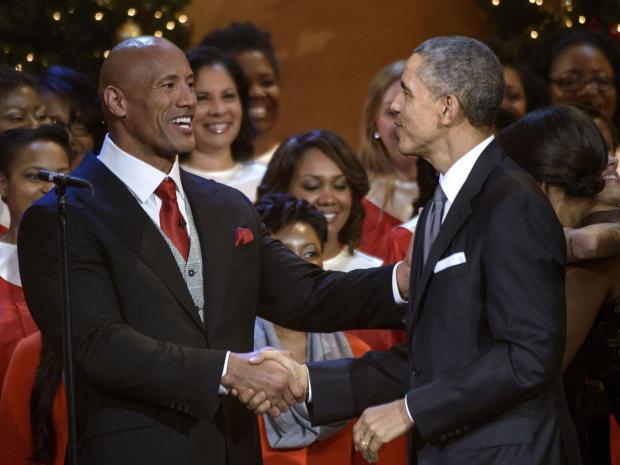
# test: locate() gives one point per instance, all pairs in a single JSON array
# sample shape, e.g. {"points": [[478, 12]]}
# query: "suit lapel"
{"points": [[213, 220], [457, 215], [114, 203]]}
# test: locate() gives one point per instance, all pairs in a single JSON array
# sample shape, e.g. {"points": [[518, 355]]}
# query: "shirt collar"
{"points": [[140, 178], [453, 179]]}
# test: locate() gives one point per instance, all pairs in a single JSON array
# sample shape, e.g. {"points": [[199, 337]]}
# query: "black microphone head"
{"points": [[45, 175]]}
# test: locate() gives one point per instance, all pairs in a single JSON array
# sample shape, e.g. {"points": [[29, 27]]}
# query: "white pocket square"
{"points": [[452, 260]]}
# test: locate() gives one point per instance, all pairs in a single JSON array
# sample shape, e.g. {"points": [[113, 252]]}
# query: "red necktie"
{"points": [[170, 218]]}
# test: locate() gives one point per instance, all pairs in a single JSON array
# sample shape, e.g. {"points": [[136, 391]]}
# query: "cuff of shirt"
{"points": [[223, 390], [397, 297], [309, 401], [407, 409]]}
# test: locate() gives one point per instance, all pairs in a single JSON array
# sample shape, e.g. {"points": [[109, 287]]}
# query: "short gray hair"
{"points": [[466, 68]]}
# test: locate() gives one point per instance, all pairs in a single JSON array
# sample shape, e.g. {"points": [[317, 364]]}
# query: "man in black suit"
{"points": [[167, 272], [480, 379]]}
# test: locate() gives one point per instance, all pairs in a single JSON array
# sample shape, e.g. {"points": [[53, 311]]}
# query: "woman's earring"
{"points": [[376, 135]]}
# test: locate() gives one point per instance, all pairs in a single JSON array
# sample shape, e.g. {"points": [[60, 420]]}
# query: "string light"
{"points": [[582, 19], [71, 10], [534, 34], [170, 25], [158, 33], [106, 53], [19, 67], [183, 18], [98, 16], [532, 1], [56, 15], [568, 22], [618, 27], [131, 12], [158, 14], [539, 2], [30, 57], [7, 49]]}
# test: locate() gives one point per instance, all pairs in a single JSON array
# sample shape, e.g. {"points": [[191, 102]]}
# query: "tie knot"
{"points": [[167, 190]]}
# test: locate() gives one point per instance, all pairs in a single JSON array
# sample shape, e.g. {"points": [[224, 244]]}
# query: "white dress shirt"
{"points": [[452, 180], [142, 179]]}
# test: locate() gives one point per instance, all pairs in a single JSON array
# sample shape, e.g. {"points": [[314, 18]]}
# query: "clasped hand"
{"points": [[267, 380]]}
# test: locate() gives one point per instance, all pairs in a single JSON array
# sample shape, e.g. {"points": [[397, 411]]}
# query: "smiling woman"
{"points": [[252, 48], [221, 124], [23, 152], [319, 167]]}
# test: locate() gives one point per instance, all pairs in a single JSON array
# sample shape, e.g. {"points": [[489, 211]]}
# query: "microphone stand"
{"points": [[66, 329]]}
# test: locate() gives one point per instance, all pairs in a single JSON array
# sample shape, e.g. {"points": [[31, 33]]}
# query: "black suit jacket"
{"points": [[148, 370], [482, 369]]}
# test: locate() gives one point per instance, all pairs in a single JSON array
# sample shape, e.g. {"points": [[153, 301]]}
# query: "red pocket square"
{"points": [[243, 236]]}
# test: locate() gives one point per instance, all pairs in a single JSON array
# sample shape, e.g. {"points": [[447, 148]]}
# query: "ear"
{"points": [[114, 100], [450, 109], [4, 186]]}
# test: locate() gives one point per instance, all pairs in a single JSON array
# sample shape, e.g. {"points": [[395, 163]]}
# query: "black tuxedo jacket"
{"points": [[148, 370], [486, 326]]}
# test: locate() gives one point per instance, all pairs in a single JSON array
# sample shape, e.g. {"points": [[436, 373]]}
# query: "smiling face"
{"points": [[218, 113], [148, 91], [263, 88], [22, 188], [301, 239], [591, 66], [319, 181], [417, 114], [22, 108]]}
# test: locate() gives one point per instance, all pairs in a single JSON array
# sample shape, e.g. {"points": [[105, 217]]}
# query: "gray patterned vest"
{"points": [[192, 268]]}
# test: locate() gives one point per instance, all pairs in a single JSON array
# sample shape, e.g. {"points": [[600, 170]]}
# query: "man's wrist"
{"points": [[399, 298]]}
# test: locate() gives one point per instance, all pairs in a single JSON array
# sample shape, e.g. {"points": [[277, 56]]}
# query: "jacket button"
{"points": [[191, 272]]}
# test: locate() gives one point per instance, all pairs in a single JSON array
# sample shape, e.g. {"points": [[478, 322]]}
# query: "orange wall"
{"points": [[330, 49]]}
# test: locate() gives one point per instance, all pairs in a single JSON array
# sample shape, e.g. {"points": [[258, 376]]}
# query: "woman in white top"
{"points": [[319, 167], [252, 48], [221, 125]]}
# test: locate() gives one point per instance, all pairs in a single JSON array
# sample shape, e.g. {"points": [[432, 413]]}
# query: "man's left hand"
{"points": [[378, 426]]}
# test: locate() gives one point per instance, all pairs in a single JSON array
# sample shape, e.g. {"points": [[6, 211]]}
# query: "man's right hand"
{"points": [[264, 385]]}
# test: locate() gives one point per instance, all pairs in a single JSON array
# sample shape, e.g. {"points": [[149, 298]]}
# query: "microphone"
{"points": [[63, 180]]}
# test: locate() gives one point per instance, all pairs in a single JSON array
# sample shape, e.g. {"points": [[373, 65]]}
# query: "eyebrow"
{"points": [[404, 87]]}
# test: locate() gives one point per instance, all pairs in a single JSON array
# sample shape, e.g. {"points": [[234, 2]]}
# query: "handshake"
{"points": [[267, 380]]}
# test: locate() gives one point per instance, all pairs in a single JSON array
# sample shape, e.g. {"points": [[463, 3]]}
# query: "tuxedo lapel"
{"points": [[115, 205], [456, 217], [213, 220]]}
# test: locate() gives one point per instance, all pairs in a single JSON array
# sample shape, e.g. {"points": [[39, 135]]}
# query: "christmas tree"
{"points": [[532, 20], [35, 34]]}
